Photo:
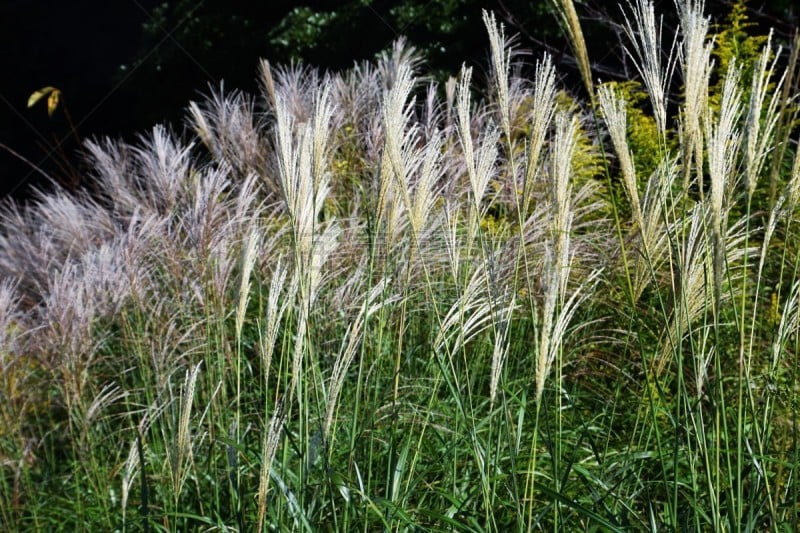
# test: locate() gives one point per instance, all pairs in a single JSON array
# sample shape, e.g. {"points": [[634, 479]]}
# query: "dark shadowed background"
{"points": [[124, 65]]}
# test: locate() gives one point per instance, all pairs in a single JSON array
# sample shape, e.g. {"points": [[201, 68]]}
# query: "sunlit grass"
{"points": [[349, 304]]}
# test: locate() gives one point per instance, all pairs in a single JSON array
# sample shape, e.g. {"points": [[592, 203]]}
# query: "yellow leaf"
{"points": [[38, 95], [52, 101]]}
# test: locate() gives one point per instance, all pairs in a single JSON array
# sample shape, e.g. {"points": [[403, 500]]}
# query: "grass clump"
{"points": [[347, 304]]}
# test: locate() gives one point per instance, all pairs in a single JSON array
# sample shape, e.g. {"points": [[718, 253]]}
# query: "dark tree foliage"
{"points": [[334, 33], [220, 39], [216, 39], [186, 45]]}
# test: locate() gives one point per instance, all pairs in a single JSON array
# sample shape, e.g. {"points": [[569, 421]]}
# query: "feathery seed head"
{"points": [[760, 122], [501, 60], [615, 113], [723, 143], [645, 37], [572, 25]]}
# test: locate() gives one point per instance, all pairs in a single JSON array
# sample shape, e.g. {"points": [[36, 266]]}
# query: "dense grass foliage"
{"points": [[363, 302]]}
